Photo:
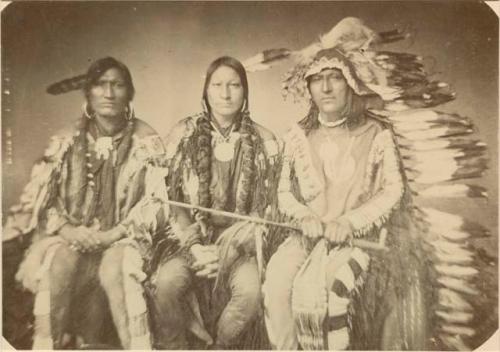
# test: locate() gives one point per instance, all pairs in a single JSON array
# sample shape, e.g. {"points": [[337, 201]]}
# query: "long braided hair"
{"points": [[202, 140]]}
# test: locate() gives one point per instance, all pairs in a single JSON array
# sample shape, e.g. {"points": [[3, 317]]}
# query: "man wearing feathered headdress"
{"points": [[341, 171], [343, 178]]}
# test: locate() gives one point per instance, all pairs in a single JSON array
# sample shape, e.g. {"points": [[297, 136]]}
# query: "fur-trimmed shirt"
{"points": [[49, 199], [227, 177]]}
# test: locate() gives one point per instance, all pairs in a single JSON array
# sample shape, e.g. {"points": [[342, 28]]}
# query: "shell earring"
{"points": [[130, 111], [204, 106], [244, 106], [86, 111]]}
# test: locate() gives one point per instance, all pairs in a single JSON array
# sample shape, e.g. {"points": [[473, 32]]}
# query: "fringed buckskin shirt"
{"points": [[341, 172], [83, 179]]}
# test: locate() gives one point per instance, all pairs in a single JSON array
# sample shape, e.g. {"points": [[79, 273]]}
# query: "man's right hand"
{"points": [[311, 226], [206, 261], [80, 238]]}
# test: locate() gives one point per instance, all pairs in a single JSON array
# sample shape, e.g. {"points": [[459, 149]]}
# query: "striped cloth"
{"points": [[319, 311]]}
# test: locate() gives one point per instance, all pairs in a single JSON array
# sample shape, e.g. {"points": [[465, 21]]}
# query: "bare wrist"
{"points": [[195, 248], [119, 232], [305, 213], [65, 228], [344, 221]]}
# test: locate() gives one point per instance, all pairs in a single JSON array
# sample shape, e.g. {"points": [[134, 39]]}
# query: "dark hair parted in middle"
{"points": [[229, 62], [99, 67]]}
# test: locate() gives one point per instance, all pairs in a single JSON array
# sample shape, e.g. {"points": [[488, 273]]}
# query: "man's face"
{"points": [[225, 92], [109, 96], [329, 91]]}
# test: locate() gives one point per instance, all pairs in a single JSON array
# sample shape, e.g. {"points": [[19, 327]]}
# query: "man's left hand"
{"points": [[338, 231], [104, 239]]}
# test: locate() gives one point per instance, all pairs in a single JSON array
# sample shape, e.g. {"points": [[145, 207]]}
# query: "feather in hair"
{"points": [[67, 85], [266, 59]]}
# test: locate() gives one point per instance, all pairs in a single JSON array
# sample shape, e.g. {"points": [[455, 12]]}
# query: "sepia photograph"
{"points": [[250, 175]]}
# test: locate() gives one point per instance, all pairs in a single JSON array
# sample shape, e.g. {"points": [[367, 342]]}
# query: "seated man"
{"points": [[92, 226], [221, 159], [341, 179]]}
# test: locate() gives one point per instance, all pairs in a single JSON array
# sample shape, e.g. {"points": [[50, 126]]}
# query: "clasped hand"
{"points": [[206, 261], [337, 231], [87, 239]]}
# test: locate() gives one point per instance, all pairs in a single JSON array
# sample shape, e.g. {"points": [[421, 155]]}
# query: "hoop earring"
{"points": [[130, 112], [86, 111], [204, 107], [244, 106]]}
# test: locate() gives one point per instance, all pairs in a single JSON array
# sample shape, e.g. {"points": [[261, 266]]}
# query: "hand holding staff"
{"points": [[364, 244]]}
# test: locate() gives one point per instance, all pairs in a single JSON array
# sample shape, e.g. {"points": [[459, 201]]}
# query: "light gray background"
{"points": [[169, 45]]}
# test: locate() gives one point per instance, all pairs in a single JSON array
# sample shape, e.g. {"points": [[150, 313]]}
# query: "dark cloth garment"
{"points": [[86, 202], [174, 282], [229, 308], [74, 184], [77, 290], [17, 314]]}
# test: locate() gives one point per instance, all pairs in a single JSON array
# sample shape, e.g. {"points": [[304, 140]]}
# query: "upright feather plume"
{"points": [[348, 35]]}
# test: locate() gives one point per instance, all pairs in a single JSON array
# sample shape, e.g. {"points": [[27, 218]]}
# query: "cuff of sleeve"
{"points": [[122, 231], [193, 242], [292, 207], [190, 235], [345, 220], [55, 221], [355, 221]]}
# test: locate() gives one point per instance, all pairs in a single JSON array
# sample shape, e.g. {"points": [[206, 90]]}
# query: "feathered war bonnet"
{"points": [[325, 59], [438, 151], [352, 47], [333, 51]]}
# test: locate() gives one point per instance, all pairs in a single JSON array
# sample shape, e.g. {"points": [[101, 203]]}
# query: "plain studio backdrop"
{"points": [[168, 46]]}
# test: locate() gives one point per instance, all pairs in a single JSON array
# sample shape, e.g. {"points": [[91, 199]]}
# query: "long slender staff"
{"points": [[356, 242]]}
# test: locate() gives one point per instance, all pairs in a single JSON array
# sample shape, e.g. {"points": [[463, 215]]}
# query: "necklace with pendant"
{"points": [[223, 146]]}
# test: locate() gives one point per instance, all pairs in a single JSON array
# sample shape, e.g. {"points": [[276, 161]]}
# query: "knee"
{"points": [[279, 280], [246, 288], [64, 260], [249, 298], [62, 267], [111, 268], [172, 282]]}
